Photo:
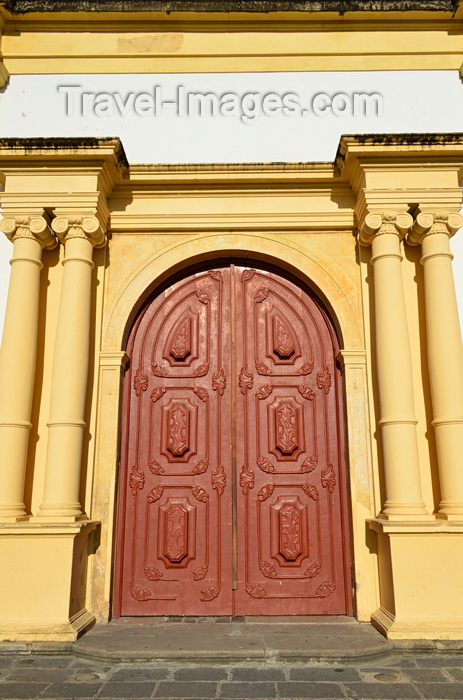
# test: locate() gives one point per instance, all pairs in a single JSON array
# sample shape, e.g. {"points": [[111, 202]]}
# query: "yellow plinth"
{"points": [[421, 580], [43, 586]]}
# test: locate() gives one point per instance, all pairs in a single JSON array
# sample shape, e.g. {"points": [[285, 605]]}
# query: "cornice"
{"points": [[410, 145], [66, 148], [402, 35], [255, 6]]}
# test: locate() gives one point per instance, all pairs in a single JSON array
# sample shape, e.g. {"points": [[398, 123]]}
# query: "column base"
{"points": [[64, 513], [44, 631], [393, 628], [456, 516], [51, 519], [407, 517], [43, 598], [14, 518], [420, 579]]}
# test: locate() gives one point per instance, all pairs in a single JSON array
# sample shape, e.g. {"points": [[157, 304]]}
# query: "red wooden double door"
{"points": [[232, 495]]}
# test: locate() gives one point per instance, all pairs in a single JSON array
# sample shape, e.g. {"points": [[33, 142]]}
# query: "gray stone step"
{"points": [[257, 640]]}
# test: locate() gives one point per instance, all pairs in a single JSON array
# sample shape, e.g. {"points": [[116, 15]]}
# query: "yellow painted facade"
{"points": [[93, 237]]}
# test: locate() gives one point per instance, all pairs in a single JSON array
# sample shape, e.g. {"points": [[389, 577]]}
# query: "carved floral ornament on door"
{"points": [[232, 491]]}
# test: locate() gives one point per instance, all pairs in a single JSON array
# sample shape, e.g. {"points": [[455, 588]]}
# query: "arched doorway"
{"points": [[233, 489]]}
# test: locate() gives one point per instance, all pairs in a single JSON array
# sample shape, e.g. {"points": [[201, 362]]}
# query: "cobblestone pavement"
{"points": [[435, 676]]}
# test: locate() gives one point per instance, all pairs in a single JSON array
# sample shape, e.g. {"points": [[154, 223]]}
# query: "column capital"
{"points": [[78, 226], [379, 223], [34, 227], [432, 222]]}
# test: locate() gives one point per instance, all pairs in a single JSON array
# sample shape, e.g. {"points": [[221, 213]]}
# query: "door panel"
{"points": [[177, 549], [288, 508], [232, 500]]}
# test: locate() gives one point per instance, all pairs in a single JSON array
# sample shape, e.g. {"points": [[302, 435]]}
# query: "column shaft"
{"points": [[445, 353], [394, 372], [69, 377], [18, 359]]}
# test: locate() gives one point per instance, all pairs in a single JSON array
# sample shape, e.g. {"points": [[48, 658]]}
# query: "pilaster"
{"points": [[111, 373], [362, 488]]}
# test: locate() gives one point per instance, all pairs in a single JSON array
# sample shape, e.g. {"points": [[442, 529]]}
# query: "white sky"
{"points": [[33, 106]]}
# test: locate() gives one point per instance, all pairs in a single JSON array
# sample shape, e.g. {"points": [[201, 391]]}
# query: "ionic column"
{"points": [[18, 356], [394, 366], [445, 352], [70, 368]]}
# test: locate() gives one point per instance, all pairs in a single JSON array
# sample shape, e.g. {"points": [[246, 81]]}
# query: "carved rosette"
{"points": [[140, 382], [216, 275], [35, 227], [309, 464], [265, 492], [313, 570], [262, 368], [261, 294], [306, 368], [157, 371], [136, 480], [256, 590], [324, 380], [87, 227], [201, 467], [203, 297], [267, 569], [219, 381], [155, 467], [155, 494], [209, 593], [311, 491], [265, 464], [219, 480], [139, 592], [153, 574], [264, 391], [200, 572], [202, 370], [325, 589], [199, 493], [156, 393], [247, 274], [328, 478], [201, 393], [246, 479], [306, 392], [245, 380]]}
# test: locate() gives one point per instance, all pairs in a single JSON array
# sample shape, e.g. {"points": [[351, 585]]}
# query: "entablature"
{"points": [[242, 37]]}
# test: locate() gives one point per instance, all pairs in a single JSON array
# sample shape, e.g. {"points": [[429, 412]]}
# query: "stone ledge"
{"points": [[264, 6]]}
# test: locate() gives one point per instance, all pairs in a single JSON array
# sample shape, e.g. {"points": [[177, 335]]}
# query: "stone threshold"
{"points": [[313, 640]]}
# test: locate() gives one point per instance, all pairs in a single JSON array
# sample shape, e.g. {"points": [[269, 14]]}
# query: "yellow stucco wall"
{"points": [[159, 220]]}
